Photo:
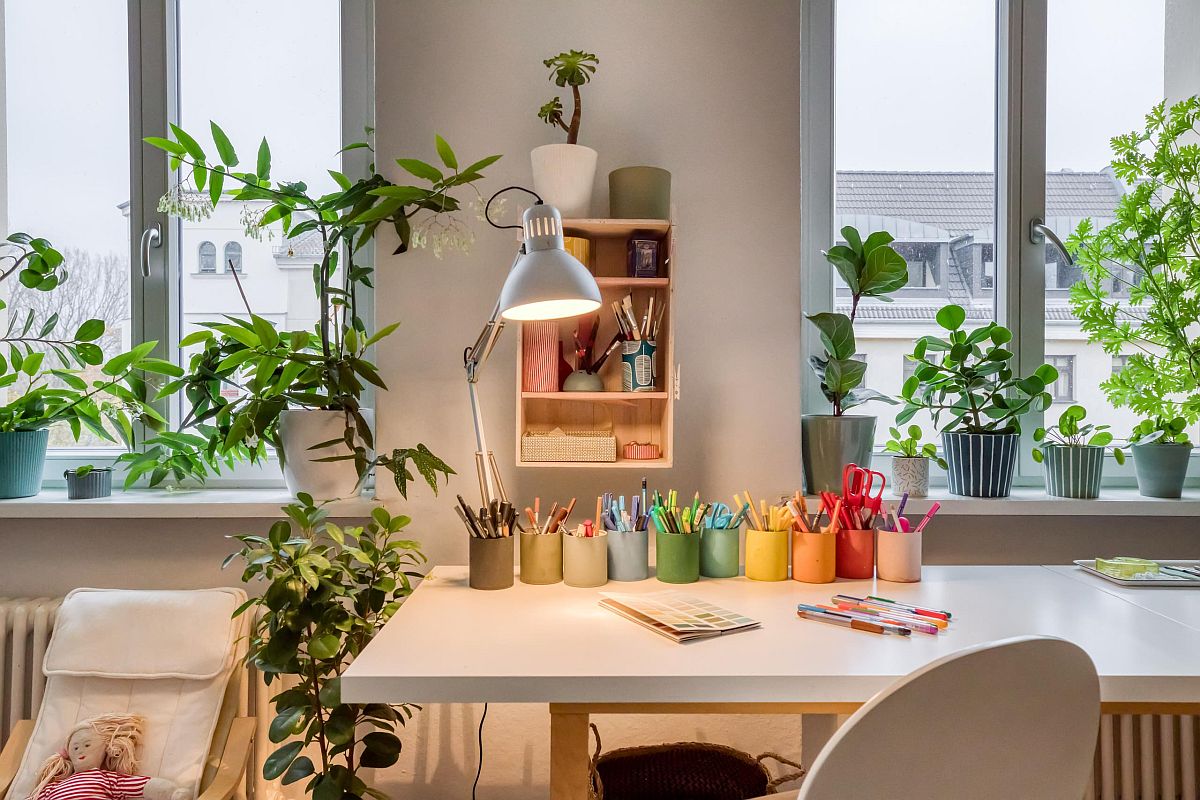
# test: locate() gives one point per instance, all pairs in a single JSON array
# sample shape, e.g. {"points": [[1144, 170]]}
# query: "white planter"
{"points": [[563, 175], [910, 475], [300, 429]]}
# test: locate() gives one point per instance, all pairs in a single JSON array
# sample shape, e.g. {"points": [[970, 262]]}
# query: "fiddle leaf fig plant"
{"points": [[1072, 431], [328, 591], [573, 68]]}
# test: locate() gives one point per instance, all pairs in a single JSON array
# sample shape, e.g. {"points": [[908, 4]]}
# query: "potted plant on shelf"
{"points": [[1073, 452], [966, 382], [328, 593], [910, 461], [1139, 285], [563, 173], [300, 392], [1161, 451], [870, 268], [87, 482]]}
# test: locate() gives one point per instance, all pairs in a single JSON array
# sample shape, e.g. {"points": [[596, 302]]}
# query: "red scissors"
{"points": [[863, 488]]}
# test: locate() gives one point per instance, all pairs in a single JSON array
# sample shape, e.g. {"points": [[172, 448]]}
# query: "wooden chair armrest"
{"points": [[13, 752], [233, 761]]}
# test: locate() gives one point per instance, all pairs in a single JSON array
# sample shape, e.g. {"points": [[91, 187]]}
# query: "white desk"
{"points": [[553, 644], [1180, 605]]}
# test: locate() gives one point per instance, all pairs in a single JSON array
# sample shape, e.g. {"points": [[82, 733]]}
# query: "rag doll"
{"points": [[99, 762]]}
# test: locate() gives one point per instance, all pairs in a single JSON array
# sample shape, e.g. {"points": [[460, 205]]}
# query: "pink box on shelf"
{"points": [[539, 356]]}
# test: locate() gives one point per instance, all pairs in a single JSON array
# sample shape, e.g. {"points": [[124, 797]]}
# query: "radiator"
{"points": [[1146, 757], [24, 631]]}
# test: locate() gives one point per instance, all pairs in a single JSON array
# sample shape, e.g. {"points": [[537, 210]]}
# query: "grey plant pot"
{"points": [[829, 443], [97, 483], [980, 464], [22, 458], [1073, 471], [639, 193], [1161, 468]]}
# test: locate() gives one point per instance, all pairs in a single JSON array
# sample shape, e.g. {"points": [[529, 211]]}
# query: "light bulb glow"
{"points": [[551, 309]]}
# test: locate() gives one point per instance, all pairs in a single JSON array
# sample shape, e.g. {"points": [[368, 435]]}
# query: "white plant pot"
{"points": [[563, 175], [300, 429]]}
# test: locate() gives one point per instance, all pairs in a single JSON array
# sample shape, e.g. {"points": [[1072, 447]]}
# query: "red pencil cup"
{"points": [[855, 554]]}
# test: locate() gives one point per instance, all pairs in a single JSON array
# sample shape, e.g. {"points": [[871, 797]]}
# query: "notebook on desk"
{"points": [[677, 615]]}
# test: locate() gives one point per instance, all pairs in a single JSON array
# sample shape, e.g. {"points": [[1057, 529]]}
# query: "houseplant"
{"points": [[1073, 452], [870, 268], [910, 461], [965, 380], [302, 390], [1161, 451], [1141, 278], [328, 592], [563, 173]]}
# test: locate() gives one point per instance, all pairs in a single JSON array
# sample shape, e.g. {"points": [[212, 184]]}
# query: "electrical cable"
{"points": [[487, 208], [479, 769]]}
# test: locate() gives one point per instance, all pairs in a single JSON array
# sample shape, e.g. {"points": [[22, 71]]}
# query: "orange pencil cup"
{"points": [[814, 557], [898, 556], [855, 554]]}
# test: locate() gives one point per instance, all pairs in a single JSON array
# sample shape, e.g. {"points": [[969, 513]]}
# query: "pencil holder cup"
{"points": [[677, 557], [638, 366], [541, 558], [491, 563], [585, 561], [628, 555], [766, 555], [720, 552], [898, 556], [855, 554], [814, 557]]}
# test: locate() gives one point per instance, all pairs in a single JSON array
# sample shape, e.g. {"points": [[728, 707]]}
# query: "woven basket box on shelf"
{"points": [[568, 445]]}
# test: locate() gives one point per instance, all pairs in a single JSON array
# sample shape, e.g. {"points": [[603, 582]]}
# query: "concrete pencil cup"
{"points": [[720, 552], [767, 555], [855, 554], [628, 555], [541, 558], [677, 557], [898, 556], [585, 560], [491, 563], [814, 557]]}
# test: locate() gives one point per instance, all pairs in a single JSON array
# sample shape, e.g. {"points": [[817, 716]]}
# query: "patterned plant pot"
{"points": [[910, 476], [980, 464], [1161, 468], [22, 457], [1073, 471]]}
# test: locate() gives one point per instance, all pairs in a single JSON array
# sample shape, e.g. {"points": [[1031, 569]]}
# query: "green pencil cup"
{"points": [[720, 552], [541, 558], [677, 557]]}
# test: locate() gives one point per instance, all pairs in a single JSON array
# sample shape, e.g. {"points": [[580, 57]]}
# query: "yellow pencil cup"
{"points": [[767, 555], [541, 558]]}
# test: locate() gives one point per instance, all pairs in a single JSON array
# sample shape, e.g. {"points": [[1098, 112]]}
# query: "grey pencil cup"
{"points": [[585, 561], [541, 558], [628, 555], [491, 563]]}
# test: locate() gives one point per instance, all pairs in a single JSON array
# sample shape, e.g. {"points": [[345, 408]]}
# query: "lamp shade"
{"points": [[547, 282]]}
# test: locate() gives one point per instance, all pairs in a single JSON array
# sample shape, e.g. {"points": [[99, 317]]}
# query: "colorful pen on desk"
{"points": [[933, 509], [833, 618], [918, 624], [925, 612]]}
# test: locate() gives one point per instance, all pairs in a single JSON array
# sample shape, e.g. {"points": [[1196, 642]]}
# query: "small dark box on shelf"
{"points": [[643, 258]]}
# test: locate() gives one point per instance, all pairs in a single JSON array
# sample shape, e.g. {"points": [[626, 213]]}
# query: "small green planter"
{"points": [[1073, 472], [677, 557], [1161, 468], [720, 552], [22, 458]]}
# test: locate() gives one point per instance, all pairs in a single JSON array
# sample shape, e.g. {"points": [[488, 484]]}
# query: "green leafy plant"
{"points": [[573, 68], [1141, 273], [33, 260], [1163, 430], [328, 592], [965, 379], [326, 368], [870, 268], [910, 446], [83, 470], [1072, 431]]}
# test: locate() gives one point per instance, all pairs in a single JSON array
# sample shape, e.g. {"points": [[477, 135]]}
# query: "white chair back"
{"points": [[1010, 719]]}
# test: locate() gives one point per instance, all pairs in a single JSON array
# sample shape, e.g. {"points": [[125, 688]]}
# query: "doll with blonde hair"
{"points": [[100, 762]]}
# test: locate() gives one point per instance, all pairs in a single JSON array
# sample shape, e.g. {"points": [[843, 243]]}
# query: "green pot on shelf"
{"points": [[22, 458], [1161, 468]]}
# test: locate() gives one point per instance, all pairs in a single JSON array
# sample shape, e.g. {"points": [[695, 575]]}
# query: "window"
{"points": [[1063, 390], [233, 257], [208, 258], [1118, 364]]}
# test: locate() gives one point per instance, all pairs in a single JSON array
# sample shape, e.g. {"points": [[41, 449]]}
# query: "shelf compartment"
{"points": [[595, 397], [624, 228], [610, 282]]}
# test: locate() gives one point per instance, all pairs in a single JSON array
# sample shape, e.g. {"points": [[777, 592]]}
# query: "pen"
{"points": [[844, 621], [913, 624], [933, 509], [925, 612]]}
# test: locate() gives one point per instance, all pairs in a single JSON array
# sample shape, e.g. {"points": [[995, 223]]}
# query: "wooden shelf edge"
{"points": [[620, 463], [594, 397], [605, 281], [614, 227]]}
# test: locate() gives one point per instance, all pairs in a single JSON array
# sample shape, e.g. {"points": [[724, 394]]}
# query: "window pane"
{"points": [[915, 155], [67, 163], [1092, 94]]}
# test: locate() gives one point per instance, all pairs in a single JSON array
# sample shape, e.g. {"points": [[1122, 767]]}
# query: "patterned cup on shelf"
{"points": [[638, 366]]}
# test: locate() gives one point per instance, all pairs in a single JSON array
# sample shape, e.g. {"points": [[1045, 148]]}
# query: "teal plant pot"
{"points": [[22, 458], [1073, 472], [829, 443], [1161, 468], [677, 557], [980, 464], [720, 552]]}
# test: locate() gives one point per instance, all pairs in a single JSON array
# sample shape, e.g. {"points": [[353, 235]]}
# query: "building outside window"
{"points": [[1118, 363], [233, 257], [208, 258], [1063, 389]]}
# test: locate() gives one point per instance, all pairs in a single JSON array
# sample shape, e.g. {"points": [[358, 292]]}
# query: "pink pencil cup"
{"points": [[898, 556], [855, 554]]}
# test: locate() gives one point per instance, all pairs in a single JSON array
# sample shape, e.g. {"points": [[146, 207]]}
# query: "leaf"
{"points": [[160, 367], [837, 333], [278, 762], [951, 317], [324, 646], [216, 182], [300, 769], [340, 179], [885, 272], [843, 374], [420, 169], [224, 146], [264, 160], [165, 144], [446, 154], [380, 749], [90, 331], [284, 724], [482, 164]]}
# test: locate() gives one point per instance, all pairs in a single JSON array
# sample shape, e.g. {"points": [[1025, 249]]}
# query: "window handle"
{"points": [[151, 237], [1039, 232]]}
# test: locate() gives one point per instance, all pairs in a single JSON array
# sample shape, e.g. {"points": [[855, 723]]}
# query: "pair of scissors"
{"points": [[719, 516], [863, 488]]}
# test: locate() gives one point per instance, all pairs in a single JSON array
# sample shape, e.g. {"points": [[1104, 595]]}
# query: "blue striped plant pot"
{"points": [[22, 457], [980, 464], [1073, 471]]}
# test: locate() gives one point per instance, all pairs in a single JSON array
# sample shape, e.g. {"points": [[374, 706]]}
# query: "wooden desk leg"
{"points": [[815, 732], [568, 756]]}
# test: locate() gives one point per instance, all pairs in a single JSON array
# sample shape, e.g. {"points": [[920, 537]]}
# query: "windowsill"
{"points": [[163, 504], [1029, 501]]}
